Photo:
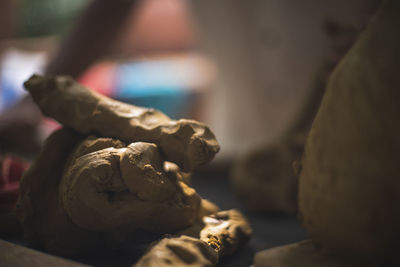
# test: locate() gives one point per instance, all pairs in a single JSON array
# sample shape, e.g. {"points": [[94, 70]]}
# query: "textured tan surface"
{"points": [[225, 231], [187, 143], [349, 185]]}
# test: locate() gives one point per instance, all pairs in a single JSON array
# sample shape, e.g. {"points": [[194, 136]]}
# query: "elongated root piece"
{"points": [[124, 188], [187, 143], [213, 236]]}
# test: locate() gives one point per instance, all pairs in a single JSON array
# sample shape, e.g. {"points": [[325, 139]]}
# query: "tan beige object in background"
{"points": [[350, 182]]}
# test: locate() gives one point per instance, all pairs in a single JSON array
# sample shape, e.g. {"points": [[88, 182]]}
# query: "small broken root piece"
{"points": [[179, 251], [212, 237], [124, 189], [225, 231], [185, 142]]}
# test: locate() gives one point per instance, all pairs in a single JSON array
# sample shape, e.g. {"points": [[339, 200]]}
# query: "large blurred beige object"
{"points": [[349, 184]]}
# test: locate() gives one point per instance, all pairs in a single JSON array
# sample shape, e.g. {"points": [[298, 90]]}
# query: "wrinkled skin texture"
{"points": [[187, 143]]}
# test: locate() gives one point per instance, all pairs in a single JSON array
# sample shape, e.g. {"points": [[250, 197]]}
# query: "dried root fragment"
{"points": [[124, 189], [179, 251], [212, 237], [185, 142], [225, 231]]}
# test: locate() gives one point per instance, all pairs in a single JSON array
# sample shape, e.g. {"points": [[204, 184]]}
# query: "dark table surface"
{"points": [[269, 230]]}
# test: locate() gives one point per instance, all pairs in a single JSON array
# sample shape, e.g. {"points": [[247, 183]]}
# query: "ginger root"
{"points": [[203, 244], [83, 191], [187, 143]]}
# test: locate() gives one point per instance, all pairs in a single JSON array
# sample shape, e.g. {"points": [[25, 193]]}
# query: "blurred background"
{"points": [[254, 71], [244, 69]]}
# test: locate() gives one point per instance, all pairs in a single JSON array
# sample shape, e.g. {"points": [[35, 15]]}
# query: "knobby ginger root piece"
{"points": [[179, 251], [225, 231], [43, 218], [123, 189], [185, 142], [349, 185], [212, 237]]}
